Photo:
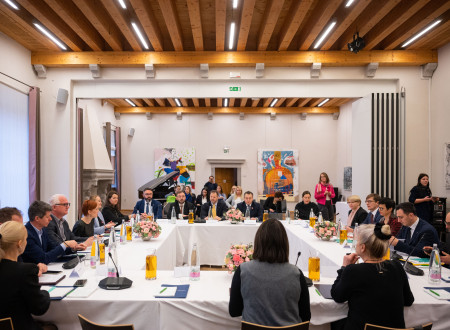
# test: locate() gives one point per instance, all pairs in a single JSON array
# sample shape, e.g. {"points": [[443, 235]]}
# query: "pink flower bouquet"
{"points": [[325, 230], [147, 229], [238, 254], [234, 215]]}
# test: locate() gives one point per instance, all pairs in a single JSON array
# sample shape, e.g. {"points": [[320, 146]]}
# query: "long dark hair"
{"points": [[271, 243], [421, 176], [108, 203]]}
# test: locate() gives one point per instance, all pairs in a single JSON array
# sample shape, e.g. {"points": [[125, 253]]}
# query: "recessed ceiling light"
{"points": [[177, 101], [273, 102], [325, 34], [12, 4], [122, 4], [231, 41], [225, 102], [323, 102], [50, 36], [130, 102], [349, 3], [421, 33], [139, 34], [235, 4]]}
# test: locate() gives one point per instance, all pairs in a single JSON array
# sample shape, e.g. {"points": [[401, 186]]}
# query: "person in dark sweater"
{"points": [[268, 290], [303, 209], [273, 203], [85, 226], [422, 198], [371, 284], [111, 210]]}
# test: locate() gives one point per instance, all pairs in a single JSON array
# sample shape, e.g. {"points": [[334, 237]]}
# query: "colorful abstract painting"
{"points": [[181, 160], [277, 171]]}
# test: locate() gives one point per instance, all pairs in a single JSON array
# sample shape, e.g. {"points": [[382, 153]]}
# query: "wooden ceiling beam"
{"points": [[243, 101], [207, 102], [291, 101], [191, 59], [249, 110], [280, 102], [219, 102], [73, 17], [315, 102], [231, 102], [221, 15], [267, 101], [123, 22], [95, 13], [271, 15], [161, 102], [442, 32], [138, 102], [297, 14], [53, 23], [248, 8], [184, 102], [196, 102], [149, 102], [172, 22], [196, 23], [144, 12], [255, 103], [304, 102], [172, 102]]}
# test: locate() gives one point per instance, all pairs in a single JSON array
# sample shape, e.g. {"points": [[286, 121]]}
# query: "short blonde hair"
{"points": [[11, 232], [354, 198]]}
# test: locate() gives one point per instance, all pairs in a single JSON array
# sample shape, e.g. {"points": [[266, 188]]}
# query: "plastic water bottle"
{"points": [[210, 215], [112, 272], [288, 216], [434, 275], [94, 253], [296, 215], [320, 219], [247, 214], [123, 233], [138, 216], [355, 232], [194, 273], [173, 216]]}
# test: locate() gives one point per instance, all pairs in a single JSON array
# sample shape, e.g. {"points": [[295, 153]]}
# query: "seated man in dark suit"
{"points": [[144, 205], [273, 203], [39, 247], [373, 215], [180, 206], [416, 232], [218, 207], [256, 212], [58, 229]]}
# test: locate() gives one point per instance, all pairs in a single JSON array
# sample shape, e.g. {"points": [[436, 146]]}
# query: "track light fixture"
{"points": [[357, 44]]}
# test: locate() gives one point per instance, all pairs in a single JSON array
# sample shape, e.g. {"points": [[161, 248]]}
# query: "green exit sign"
{"points": [[235, 89]]}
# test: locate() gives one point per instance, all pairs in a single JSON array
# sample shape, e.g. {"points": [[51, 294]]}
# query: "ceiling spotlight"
{"points": [[349, 3], [273, 103], [357, 44], [231, 40], [12, 4], [122, 4], [50, 36]]}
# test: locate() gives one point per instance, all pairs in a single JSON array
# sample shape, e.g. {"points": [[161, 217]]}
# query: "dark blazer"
{"points": [[255, 210], [21, 294], [221, 209], [198, 201], [111, 214], [268, 204], [187, 206], [360, 217], [46, 252], [376, 218], [210, 186], [303, 210], [55, 236], [430, 237], [156, 206]]}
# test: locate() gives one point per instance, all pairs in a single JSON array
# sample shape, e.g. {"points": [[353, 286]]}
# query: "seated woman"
{"points": [[111, 210], [21, 294], [233, 190], [201, 199], [386, 206], [357, 214], [85, 226], [269, 290], [221, 194], [373, 283], [303, 209], [273, 203], [100, 224], [235, 199], [189, 195]]}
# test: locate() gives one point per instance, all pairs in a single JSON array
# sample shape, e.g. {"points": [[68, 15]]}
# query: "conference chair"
{"points": [[6, 324], [378, 327], [252, 326], [89, 325]]}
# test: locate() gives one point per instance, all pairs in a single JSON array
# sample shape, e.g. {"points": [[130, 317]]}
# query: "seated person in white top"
{"points": [[235, 198], [218, 207]]}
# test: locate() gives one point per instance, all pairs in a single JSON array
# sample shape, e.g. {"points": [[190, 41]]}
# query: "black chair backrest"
{"points": [[253, 326], [427, 326], [89, 325]]}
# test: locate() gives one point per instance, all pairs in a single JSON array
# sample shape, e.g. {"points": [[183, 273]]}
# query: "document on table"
{"points": [[438, 293], [58, 292], [51, 279]]}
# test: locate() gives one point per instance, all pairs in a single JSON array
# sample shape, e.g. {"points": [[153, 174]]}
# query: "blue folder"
{"points": [[182, 291]]}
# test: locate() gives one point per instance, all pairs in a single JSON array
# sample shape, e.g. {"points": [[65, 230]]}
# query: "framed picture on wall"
{"points": [[447, 165], [348, 178]]}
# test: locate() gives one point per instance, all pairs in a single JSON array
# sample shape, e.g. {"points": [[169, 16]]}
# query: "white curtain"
{"points": [[14, 180]]}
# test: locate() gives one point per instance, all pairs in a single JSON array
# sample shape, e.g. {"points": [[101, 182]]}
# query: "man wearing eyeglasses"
{"points": [[374, 215], [58, 229]]}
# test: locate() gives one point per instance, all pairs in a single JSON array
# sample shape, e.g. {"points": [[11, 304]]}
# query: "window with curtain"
{"points": [[14, 151]]}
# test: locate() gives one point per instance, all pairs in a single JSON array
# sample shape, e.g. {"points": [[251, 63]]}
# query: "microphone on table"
{"points": [[115, 283], [298, 256], [309, 282], [409, 267]]}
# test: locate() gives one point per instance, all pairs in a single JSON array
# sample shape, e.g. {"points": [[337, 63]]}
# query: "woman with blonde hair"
{"points": [[236, 198], [357, 214], [21, 292]]}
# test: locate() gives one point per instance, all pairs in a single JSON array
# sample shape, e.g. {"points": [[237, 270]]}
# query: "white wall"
{"points": [[343, 146]]}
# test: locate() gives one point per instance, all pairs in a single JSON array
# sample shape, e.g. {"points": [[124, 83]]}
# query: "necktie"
{"points": [[214, 210], [146, 208], [181, 208], [61, 229], [408, 235], [371, 218]]}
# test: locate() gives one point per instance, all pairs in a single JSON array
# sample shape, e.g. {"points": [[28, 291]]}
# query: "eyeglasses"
{"points": [[370, 201], [64, 204]]}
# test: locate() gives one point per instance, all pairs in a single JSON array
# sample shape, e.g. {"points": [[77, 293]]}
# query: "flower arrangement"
{"points": [[238, 254], [234, 215], [147, 229], [325, 230]]}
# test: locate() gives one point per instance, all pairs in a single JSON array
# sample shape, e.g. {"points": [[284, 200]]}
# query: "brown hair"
{"points": [[326, 175], [278, 194], [7, 213], [108, 197], [87, 206], [271, 243], [11, 232], [375, 197]]}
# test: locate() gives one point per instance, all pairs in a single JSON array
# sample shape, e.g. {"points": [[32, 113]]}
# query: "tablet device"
{"points": [[324, 289]]}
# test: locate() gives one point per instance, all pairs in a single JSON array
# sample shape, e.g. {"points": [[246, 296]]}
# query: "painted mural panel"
{"points": [[181, 160]]}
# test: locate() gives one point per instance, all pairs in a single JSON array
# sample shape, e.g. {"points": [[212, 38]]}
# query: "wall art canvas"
{"points": [[181, 160], [348, 178], [447, 165], [278, 171]]}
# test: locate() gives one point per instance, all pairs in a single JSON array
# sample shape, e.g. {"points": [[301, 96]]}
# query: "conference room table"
{"points": [[206, 305]]}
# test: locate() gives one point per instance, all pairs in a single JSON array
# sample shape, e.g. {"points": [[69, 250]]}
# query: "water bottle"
{"points": [[194, 273], [355, 232], [123, 232], [138, 216], [320, 220], [112, 271], [434, 275], [296, 214], [173, 216], [288, 216], [247, 214], [94, 253], [210, 215]]}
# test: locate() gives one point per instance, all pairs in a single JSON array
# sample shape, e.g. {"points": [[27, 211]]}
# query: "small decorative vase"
{"points": [[148, 238]]}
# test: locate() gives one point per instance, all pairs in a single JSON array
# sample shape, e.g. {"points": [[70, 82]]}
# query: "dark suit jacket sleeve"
{"points": [[70, 235], [360, 216], [37, 301], [110, 216], [35, 254], [260, 211], [236, 305], [158, 207], [268, 203], [136, 207], [428, 239], [53, 234], [304, 307], [204, 211], [315, 208], [222, 208]]}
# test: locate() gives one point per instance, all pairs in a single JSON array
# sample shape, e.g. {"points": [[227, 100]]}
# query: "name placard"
{"points": [[212, 221], [296, 222], [249, 222], [182, 222], [162, 221]]}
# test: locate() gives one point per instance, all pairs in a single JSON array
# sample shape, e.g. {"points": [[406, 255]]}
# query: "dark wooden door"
{"points": [[226, 178]]}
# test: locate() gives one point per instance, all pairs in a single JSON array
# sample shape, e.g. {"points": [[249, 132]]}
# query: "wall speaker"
{"points": [[63, 94], [131, 132]]}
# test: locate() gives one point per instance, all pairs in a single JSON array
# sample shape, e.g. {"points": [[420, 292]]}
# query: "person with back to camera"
{"points": [[268, 290], [21, 294], [373, 283], [324, 193], [422, 198]]}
